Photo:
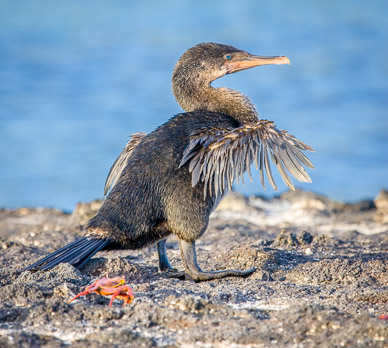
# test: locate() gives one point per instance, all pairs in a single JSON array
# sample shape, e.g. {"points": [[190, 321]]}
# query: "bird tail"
{"points": [[77, 253]]}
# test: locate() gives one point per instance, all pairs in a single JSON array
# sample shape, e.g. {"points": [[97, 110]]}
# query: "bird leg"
{"points": [[164, 263], [189, 258]]}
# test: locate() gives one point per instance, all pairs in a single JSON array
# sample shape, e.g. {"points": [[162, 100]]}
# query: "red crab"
{"points": [[113, 286]]}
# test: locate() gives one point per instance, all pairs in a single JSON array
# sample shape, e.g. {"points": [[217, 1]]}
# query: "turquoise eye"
{"points": [[228, 56]]}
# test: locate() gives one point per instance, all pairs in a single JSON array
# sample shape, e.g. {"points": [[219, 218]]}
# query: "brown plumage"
{"points": [[169, 181]]}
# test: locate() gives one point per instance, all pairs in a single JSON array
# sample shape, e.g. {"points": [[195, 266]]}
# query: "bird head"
{"points": [[209, 61]]}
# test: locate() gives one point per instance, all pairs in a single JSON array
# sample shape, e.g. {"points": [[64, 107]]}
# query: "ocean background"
{"points": [[78, 77]]}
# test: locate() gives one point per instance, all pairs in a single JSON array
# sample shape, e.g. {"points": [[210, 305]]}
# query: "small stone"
{"points": [[381, 201]]}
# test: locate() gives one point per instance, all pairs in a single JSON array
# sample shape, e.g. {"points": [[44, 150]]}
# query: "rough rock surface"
{"points": [[321, 280]]}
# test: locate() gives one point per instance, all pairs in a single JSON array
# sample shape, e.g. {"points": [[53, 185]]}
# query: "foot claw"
{"points": [[174, 273]]}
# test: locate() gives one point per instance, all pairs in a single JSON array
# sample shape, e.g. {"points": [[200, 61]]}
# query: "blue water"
{"points": [[78, 77]]}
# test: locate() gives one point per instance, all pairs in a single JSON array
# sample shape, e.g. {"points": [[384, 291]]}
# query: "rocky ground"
{"points": [[321, 280]]}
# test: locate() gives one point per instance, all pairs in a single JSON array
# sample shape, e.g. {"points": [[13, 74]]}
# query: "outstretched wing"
{"points": [[218, 156], [121, 161]]}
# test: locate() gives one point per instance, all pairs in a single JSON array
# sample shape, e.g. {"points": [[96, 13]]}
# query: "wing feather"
{"points": [[121, 161], [261, 153], [282, 158], [217, 156], [267, 166], [301, 157]]}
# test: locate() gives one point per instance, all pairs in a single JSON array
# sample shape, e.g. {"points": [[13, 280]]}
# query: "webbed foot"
{"points": [[189, 258]]}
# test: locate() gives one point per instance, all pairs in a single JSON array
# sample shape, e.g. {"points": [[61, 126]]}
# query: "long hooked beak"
{"points": [[251, 61]]}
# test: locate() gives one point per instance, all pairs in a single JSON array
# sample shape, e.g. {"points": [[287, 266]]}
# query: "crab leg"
{"points": [[88, 290]]}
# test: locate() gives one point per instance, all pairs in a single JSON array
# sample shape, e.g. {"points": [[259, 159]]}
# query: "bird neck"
{"points": [[223, 100]]}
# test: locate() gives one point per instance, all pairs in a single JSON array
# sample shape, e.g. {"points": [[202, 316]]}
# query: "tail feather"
{"points": [[77, 253], [84, 260], [54, 254], [72, 255]]}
